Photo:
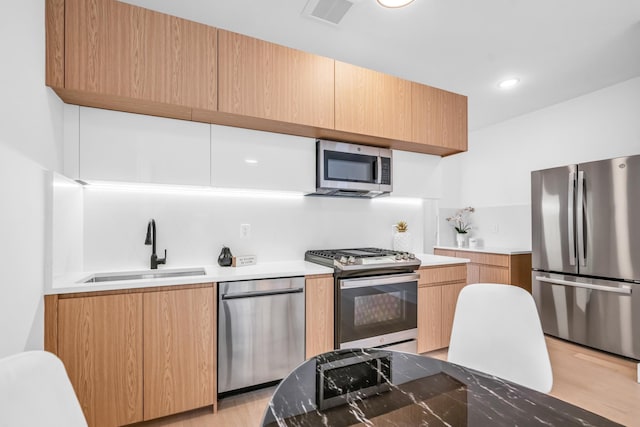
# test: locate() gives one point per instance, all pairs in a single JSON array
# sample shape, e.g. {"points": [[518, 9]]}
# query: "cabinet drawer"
{"points": [[491, 274], [487, 259], [444, 252], [437, 275]]}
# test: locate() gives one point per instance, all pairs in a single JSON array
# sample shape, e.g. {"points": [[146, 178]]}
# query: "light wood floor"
{"points": [[596, 381]]}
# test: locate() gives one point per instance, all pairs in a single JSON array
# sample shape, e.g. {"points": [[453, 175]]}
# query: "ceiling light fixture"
{"points": [[394, 3], [508, 83], [251, 161]]}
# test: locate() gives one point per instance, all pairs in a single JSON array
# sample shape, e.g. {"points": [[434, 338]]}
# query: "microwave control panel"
{"points": [[386, 171]]}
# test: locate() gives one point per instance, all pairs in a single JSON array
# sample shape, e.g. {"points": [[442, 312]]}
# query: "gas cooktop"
{"points": [[362, 258]]}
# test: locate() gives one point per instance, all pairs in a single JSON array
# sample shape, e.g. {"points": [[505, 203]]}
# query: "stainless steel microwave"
{"points": [[351, 170]]}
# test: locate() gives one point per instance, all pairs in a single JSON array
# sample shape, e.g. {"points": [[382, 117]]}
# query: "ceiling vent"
{"points": [[328, 11]]}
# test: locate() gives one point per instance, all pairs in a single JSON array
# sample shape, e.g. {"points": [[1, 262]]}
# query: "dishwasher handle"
{"points": [[255, 294]]}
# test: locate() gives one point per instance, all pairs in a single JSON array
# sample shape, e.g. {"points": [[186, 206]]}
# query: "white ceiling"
{"points": [[559, 49]]}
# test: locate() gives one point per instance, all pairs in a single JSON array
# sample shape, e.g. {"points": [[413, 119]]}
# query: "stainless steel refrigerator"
{"points": [[586, 253]]}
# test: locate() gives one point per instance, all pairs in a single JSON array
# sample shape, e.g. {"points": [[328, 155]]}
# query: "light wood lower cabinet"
{"points": [[495, 268], [179, 365], [135, 355], [438, 290], [100, 343], [319, 315]]}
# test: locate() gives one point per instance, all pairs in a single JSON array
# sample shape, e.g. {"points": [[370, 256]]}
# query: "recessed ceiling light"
{"points": [[251, 161], [508, 83], [394, 3]]}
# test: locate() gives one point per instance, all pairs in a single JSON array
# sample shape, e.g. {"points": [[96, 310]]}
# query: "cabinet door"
{"points": [[127, 147], [493, 274], [438, 117], [246, 158], [473, 273], [429, 318], [179, 351], [449, 300], [114, 48], [100, 343], [265, 80], [319, 315], [372, 103]]}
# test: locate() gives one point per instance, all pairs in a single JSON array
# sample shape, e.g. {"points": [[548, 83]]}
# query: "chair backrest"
{"points": [[496, 330], [35, 391]]}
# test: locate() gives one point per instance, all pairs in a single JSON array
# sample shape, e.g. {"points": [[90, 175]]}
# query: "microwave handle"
{"points": [[379, 171]]}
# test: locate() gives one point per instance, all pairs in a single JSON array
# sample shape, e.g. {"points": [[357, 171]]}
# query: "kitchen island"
{"points": [[380, 387]]}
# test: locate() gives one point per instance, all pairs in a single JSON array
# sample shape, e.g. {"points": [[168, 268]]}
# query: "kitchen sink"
{"points": [[112, 277]]}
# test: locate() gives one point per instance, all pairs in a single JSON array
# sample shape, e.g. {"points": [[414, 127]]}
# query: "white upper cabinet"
{"points": [[245, 158], [416, 175], [116, 146]]}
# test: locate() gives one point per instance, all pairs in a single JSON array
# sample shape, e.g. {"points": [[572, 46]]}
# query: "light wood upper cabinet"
{"points": [[372, 103], [120, 50], [269, 81], [319, 315], [179, 351], [438, 117], [100, 343]]}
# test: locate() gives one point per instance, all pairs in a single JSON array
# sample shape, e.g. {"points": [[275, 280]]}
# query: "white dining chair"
{"points": [[496, 330], [35, 391]]}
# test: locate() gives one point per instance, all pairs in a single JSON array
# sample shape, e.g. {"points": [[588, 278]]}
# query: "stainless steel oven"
{"points": [[378, 311]]}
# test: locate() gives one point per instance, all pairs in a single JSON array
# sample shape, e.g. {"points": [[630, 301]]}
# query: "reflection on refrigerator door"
{"points": [[598, 313]]}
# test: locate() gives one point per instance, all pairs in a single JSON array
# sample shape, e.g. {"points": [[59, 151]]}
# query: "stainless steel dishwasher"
{"points": [[261, 328]]}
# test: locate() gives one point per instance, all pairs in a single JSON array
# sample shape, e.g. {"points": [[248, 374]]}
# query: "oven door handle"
{"points": [[378, 280]]}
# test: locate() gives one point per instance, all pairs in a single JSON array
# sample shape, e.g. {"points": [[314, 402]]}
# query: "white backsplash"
{"points": [[494, 226], [193, 227]]}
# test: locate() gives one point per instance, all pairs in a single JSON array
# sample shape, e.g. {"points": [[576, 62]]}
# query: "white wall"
{"points": [[194, 226], [30, 144], [494, 174]]}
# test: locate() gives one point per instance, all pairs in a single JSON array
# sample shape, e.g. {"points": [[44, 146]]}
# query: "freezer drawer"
{"points": [[598, 313]]}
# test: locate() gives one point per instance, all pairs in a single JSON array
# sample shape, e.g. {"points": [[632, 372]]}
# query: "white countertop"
{"points": [[74, 282], [429, 260], [488, 250]]}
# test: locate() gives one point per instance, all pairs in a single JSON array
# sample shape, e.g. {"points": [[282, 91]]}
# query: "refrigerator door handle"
{"points": [[580, 220], [623, 291], [571, 218]]}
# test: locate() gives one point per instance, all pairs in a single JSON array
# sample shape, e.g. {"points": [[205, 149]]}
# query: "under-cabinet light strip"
{"points": [[190, 190]]}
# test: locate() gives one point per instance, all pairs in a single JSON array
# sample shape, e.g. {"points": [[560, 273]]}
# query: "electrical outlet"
{"points": [[245, 231], [495, 228]]}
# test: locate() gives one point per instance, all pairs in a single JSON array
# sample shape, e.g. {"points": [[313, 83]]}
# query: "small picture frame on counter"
{"points": [[244, 260]]}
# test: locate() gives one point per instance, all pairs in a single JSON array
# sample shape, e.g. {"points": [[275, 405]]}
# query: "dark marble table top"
{"points": [[373, 387]]}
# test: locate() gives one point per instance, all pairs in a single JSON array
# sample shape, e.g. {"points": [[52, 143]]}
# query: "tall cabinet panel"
{"points": [[438, 117], [113, 48], [265, 80], [372, 103], [179, 346], [100, 343]]}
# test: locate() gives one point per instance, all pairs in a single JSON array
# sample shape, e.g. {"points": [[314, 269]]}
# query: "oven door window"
{"points": [[377, 310], [350, 167]]}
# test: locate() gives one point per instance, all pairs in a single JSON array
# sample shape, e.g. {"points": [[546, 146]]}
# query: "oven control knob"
{"points": [[398, 257], [352, 260], [412, 256], [405, 255], [343, 260]]}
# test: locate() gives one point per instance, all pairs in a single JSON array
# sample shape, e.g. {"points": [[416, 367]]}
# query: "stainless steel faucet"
{"points": [[151, 240]]}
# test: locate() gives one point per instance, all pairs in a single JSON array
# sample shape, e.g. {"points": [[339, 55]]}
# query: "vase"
{"points": [[461, 239], [402, 241]]}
